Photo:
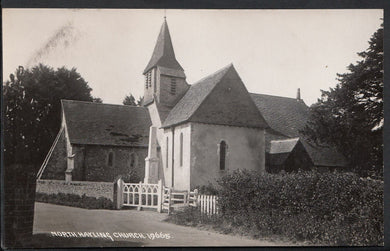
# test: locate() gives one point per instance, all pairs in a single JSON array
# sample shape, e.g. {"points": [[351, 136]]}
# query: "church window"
{"points": [[181, 149], [222, 155], [133, 160], [173, 86], [167, 145], [110, 159]]}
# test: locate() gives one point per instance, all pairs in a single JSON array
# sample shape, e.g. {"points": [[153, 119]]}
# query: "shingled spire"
{"points": [[163, 54]]}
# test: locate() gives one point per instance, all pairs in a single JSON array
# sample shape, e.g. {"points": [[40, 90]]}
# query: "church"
{"points": [[187, 135]]}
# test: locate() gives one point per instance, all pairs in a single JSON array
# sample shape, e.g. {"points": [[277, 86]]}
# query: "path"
{"points": [[49, 217]]}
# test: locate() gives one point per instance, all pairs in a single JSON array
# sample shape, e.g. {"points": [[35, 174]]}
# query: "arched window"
{"points": [[222, 155], [133, 161], [110, 159], [181, 149], [166, 157]]}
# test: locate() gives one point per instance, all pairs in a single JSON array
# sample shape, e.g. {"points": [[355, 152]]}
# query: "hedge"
{"points": [[330, 208], [320, 208], [75, 200]]}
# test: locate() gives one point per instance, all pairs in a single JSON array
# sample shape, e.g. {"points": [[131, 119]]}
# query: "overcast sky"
{"points": [[274, 51]]}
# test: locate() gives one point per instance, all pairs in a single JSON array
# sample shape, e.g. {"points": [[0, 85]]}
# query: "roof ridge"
{"points": [[213, 74], [226, 68], [290, 139], [276, 96], [94, 103], [210, 76]]}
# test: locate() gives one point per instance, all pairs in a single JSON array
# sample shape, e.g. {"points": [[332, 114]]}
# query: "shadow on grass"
{"points": [[48, 241]]}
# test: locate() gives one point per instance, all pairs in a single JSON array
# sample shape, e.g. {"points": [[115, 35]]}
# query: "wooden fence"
{"points": [[208, 204], [157, 196]]}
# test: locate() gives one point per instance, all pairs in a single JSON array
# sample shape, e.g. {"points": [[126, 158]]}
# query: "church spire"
{"points": [[163, 54]]}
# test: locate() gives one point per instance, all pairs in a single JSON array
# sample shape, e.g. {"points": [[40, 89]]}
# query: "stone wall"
{"points": [[90, 189], [91, 163]]}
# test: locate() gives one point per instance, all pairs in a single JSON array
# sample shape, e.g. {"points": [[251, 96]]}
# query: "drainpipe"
{"points": [[173, 156]]}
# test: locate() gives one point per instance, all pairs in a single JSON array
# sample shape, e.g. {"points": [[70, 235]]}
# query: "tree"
{"points": [[350, 116], [32, 110], [140, 101], [130, 100], [97, 100]]}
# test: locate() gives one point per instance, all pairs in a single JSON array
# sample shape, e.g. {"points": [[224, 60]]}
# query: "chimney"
{"points": [[299, 94]]}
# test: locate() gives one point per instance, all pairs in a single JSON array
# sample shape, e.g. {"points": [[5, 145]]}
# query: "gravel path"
{"points": [[126, 227]]}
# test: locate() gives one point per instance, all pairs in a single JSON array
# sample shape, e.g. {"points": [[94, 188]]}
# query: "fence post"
{"points": [[119, 193], [214, 205], [159, 196], [140, 197], [186, 199], [196, 197], [201, 204], [169, 200], [208, 204]]}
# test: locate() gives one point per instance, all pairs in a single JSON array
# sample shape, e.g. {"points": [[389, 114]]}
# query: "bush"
{"points": [[74, 200], [327, 208], [208, 189], [322, 208]]}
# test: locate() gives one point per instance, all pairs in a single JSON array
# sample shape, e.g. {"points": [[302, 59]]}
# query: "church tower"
{"points": [[165, 81]]}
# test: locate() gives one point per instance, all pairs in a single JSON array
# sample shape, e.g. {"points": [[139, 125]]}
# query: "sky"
{"points": [[274, 51]]}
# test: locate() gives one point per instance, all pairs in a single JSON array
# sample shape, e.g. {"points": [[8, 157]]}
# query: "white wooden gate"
{"points": [[166, 201], [177, 198], [141, 195]]}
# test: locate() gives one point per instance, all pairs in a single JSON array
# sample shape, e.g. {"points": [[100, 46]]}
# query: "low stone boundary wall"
{"points": [[89, 188]]}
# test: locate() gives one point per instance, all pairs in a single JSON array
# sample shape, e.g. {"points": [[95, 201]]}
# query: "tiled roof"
{"points": [[272, 135], [283, 146], [163, 110], [220, 98], [324, 155], [163, 53], [193, 98], [105, 124], [286, 117]]}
